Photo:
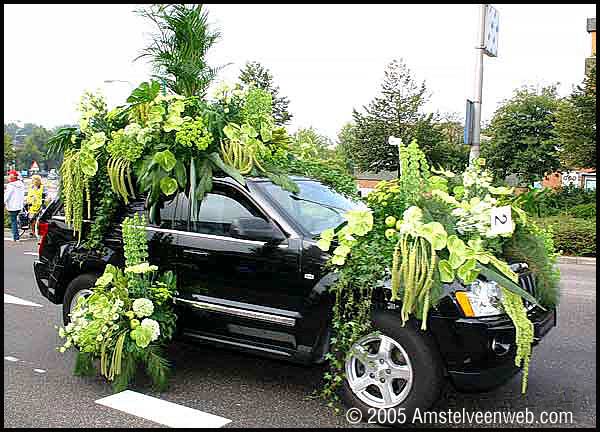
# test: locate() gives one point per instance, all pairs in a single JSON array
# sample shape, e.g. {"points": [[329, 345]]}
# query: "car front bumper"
{"points": [[480, 352]]}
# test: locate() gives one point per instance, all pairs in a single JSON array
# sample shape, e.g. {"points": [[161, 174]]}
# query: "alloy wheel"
{"points": [[379, 371]]}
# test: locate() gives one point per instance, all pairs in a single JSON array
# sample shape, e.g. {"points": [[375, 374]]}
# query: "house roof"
{"points": [[382, 175]]}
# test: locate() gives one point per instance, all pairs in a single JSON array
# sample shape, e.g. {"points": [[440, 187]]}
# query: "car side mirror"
{"points": [[253, 228]]}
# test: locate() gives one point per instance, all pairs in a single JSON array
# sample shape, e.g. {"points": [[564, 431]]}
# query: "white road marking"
{"points": [[42, 371], [16, 300], [11, 359], [31, 253], [160, 411]]}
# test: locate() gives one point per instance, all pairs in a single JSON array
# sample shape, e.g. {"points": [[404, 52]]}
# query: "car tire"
{"points": [[81, 285], [418, 357]]}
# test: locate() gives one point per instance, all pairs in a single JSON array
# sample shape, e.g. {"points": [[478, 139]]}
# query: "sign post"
{"points": [[488, 45]]}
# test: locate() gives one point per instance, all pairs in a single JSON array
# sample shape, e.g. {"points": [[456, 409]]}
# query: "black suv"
{"points": [[250, 277]]}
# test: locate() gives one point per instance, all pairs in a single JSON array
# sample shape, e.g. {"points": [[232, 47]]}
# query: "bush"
{"points": [[563, 200], [583, 211], [573, 236]]}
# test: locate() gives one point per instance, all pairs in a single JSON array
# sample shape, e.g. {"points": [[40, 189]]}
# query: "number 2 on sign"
{"points": [[501, 220]]}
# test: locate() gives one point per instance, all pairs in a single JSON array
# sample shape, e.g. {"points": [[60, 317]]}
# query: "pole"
{"points": [[474, 154]]}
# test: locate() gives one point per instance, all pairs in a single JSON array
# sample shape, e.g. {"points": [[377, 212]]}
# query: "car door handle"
{"points": [[196, 252]]}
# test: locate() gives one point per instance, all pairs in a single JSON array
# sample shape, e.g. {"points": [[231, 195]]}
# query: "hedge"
{"points": [[572, 236]]}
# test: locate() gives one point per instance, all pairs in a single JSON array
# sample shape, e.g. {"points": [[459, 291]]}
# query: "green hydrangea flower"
{"points": [[143, 307]]}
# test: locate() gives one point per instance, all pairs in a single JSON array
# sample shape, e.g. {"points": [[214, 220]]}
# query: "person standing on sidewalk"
{"points": [[14, 198], [35, 200]]}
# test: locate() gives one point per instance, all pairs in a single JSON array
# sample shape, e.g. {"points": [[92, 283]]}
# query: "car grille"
{"points": [[527, 282]]}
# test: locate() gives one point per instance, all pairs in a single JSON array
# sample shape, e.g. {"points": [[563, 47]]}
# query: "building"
{"points": [[591, 29], [366, 181]]}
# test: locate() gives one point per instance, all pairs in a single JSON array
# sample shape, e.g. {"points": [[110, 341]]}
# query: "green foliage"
{"points": [[255, 74], [570, 200], [513, 306], [128, 318], [307, 143], [419, 249], [135, 244], [583, 211], [535, 246], [576, 237], [194, 133], [179, 49], [522, 136], [9, 150], [576, 125]]}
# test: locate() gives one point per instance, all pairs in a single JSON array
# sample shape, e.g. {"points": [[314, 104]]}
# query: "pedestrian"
{"points": [[14, 198], [35, 201]]}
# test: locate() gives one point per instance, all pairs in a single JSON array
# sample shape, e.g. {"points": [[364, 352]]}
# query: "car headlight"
{"points": [[482, 298]]}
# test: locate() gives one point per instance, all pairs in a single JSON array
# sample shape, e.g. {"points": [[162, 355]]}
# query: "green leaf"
{"points": [[446, 271], [249, 130], [89, 164], [231, 131], [324, 244], [456, 245], [145, 92], [180, 174], [165, 159], [456, 260], [467, 272], [341, 250], [168, 185], [328, 234], [266, 132], [434, 233], [97, 140], [491, 274], [215, 158], [204, 174]]}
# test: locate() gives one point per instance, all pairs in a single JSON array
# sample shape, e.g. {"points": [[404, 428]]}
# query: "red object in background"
{"points": [[42, 230], [13, 172]]}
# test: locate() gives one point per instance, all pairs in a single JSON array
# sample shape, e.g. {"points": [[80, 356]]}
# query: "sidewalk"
{"points": [[577, 260]]}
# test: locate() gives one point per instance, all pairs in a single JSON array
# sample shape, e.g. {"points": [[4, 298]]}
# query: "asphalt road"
{"points": [[41, 391]]}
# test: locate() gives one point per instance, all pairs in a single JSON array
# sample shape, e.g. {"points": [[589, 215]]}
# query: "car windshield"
{"points": [[316, 207]]}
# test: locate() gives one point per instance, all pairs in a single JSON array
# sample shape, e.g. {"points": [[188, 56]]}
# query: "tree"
{"points": [[450, 152], [345, 143], [28, 153], [178, 51], [9, 150], [307, 143], [397, 111], [522, 136], [576, 125], [261, 77]]}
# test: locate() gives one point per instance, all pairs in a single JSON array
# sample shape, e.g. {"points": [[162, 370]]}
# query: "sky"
{"points": [[327, 59]]}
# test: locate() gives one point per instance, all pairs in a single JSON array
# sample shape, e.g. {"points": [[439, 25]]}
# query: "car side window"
{"points": [[218, 210], [174, 214]]}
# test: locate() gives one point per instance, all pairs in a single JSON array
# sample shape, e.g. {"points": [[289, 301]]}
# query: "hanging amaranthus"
{"points": [[513, 306], [75, 184]]}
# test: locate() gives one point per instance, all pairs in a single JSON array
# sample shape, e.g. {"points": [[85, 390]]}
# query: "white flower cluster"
{"points": [[153, 326], [142, 307], [474, 215], [141, 268]]}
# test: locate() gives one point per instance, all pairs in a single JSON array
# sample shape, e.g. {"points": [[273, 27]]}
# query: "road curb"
{"points": [[577, 260]]}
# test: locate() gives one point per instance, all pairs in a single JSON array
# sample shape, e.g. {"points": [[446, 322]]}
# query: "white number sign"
{"points": [[501, 220]]}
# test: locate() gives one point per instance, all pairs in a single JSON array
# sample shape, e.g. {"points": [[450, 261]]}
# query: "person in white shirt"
{"points": [[14, 198]]}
